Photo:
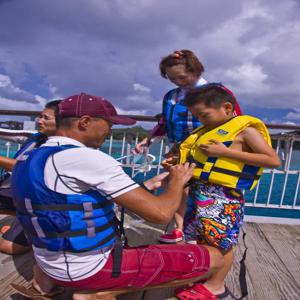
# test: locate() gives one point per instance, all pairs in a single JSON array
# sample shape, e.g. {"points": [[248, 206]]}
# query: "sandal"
{"points": [[32, 293], [181, 289], [199, 292]]}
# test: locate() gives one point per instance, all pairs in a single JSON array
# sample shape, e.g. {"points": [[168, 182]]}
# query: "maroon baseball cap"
{"points": [[83, 104]]}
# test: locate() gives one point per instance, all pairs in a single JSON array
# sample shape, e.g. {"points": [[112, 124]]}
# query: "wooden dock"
{"points": [[273, 264]]}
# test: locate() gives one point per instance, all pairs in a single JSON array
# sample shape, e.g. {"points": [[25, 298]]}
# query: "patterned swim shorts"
{"points": [[217, 216]]}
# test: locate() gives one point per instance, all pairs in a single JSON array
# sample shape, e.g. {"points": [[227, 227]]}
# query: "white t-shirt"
{"points": [[81, 169]]}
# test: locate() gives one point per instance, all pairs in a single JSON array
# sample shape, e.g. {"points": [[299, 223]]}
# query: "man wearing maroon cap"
{"points": [[67, 211]]}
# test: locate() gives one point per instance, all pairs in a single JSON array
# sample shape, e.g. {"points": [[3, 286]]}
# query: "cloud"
{"points": [[112, 48], [248, 78], [13, 97], [141, 88], [293, 115], [141, 99]]}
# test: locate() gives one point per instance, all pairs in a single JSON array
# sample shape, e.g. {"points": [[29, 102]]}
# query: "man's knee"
{"points": [[216, 258]]}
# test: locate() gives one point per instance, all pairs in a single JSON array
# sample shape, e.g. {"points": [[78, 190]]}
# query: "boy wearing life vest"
{"points": [[229, 153]]}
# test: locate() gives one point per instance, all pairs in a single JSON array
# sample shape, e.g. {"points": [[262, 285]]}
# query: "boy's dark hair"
{"points": [[182, 57], [211, 95]]}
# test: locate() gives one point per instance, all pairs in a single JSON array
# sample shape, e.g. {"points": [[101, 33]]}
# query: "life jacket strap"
{"points": [[236, 174], [88, 209], [224, 171], [102, 242], [68, 207], [77, 233], [91, 232]]}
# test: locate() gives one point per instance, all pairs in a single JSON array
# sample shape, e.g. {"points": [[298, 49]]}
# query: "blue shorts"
{"points": [[217, 216]]}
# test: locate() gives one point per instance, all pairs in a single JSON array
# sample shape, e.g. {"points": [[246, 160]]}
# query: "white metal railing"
{"points": [[278, 188], [273, 180]]}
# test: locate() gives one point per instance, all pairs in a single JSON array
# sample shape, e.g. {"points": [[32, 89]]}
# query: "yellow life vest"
{"points": [[221, 170]]}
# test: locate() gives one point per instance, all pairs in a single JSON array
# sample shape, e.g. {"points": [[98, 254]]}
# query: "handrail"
{"points": [[135, 117], [277, 189]]}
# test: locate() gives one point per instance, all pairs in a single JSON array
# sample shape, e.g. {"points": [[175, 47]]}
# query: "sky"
{"points": [[52, 49]]}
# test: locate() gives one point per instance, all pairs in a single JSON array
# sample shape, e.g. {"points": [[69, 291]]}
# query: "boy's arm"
{"points": [[262, 154]]}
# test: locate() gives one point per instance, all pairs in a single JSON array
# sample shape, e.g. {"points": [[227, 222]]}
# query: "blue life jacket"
{"points": [[55, 221], [179, 120], [34, 141]]}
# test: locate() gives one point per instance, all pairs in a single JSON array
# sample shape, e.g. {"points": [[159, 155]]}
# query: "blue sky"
{"points": [[52, 49]]}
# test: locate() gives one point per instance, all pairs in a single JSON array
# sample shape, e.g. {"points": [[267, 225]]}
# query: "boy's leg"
{"points": [[179, 215], [215, 283], [218, 219]]}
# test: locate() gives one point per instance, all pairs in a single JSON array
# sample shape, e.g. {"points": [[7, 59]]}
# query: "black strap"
{"points": [[76, 233], [121, 240], [236, 174], [225, 171], [117, 258], [67, 207], [121, 227]]}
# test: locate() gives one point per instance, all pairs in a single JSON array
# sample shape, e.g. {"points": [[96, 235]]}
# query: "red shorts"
{"points": [[149, 265]]}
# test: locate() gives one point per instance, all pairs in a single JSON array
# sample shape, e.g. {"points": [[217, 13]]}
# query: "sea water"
{"points": [[264, 186]]}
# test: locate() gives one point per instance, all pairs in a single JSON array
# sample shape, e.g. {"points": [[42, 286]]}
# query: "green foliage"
{"points": [[134, 131]]}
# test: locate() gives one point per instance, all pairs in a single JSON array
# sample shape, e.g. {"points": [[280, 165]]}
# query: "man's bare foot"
{"points": [[96, 296]]}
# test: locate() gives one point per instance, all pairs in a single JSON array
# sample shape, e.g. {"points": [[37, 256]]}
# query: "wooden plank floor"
{"points": [[273, 264]]}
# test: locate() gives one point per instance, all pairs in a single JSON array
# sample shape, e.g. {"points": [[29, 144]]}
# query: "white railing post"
{"points": [[110, 144], [297, 190], [7, 144]]}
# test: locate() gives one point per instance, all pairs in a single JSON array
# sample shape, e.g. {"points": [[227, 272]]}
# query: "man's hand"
{"points": [[156, 182], [181, 174], [214, 148]]}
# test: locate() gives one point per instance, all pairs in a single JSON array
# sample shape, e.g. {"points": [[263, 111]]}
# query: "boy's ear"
{"points": [[228, 107]]}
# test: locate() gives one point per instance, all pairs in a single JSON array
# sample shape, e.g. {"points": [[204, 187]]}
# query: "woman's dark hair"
{"points": [[182, 57], [53, 105], [211, 95]]}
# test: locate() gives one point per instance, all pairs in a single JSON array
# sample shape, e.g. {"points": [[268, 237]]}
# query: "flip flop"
{"points": [[199, 292], [181, 289], [32, 293]]}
